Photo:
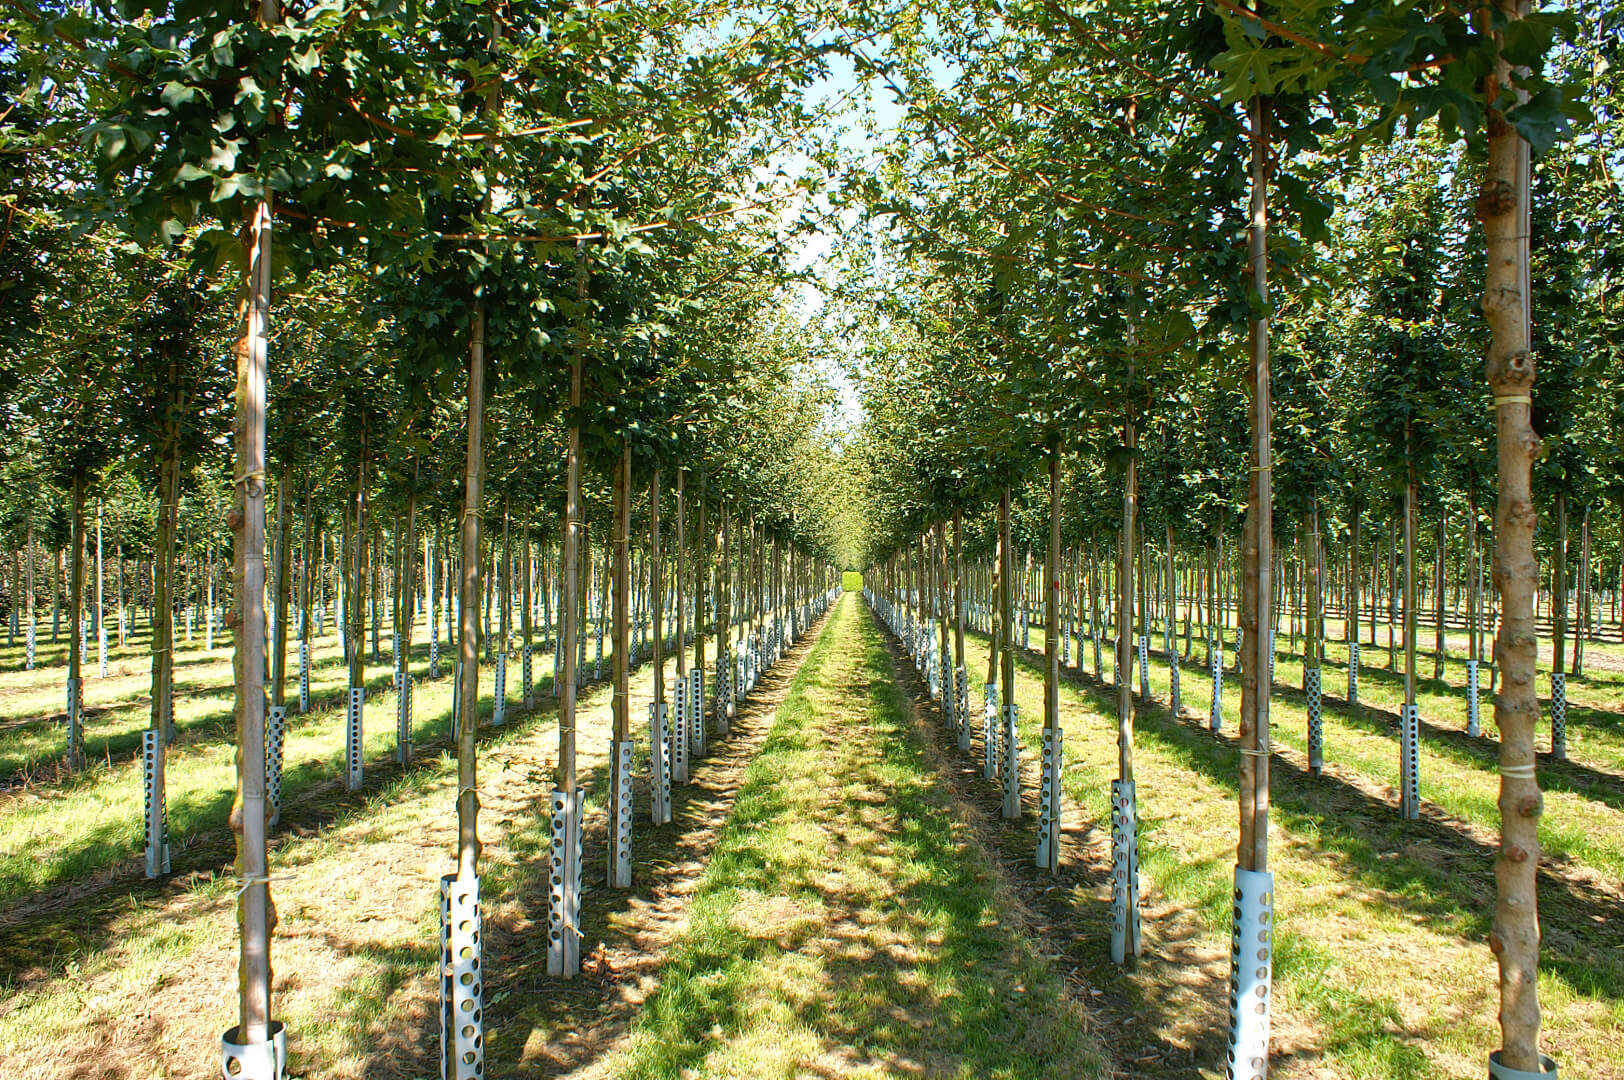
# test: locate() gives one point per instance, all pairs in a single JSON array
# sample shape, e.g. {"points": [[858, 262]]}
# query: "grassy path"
{"points": [[849, 923]]}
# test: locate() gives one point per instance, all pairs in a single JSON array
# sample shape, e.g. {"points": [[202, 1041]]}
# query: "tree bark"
{"points": [[468, 629], [255, 914], [76, 600], [1503, 208], [1257, 547]]}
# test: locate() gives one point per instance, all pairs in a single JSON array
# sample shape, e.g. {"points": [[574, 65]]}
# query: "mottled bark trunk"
{"points": [[1503, 208]]}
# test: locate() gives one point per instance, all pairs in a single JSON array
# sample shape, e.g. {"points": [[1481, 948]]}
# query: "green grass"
{"points": [[851, 581], [847, 923], [1381, 923]]}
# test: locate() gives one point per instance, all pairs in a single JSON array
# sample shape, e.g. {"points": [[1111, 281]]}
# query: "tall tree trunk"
{"points": [[619, 870], [468, 846], [1503, 208], [76, 600], [255, 915], [681, 582], [1438, 640], [358, 570], [279, 588], [1559, 587], [163, 559]]}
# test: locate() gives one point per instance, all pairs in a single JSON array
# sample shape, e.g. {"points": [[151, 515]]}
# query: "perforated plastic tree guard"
{"points": [[456, 695], [1497, 1071], [1353, 673], [1474, 718], [564, 916], [1049, 803], [989, 732], [597, 659], [1215, 718], [961, 684], [352, 737], [1144, 667], [403, 716], [659, 748], [1251, 970], [101, 647], [696, 710], [1011, 761], [462, 980], [1316, 720], [1559, 715], [304, 678], [1174, 703], [499, 692], [1124, 871], [276, 734], [680, 741], [1409, 784], [527, 671], [620, 826], [434, 649], [75, 699], [152, 785], [266, 1060]]}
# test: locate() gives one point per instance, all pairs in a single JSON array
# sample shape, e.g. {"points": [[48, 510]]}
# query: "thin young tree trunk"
{"points": [[1582, 604], [619, 869], [1257, 549], [255, 915], [1559, 587], [358, 570], [279, 588], [1503, 208], [681, 582], [76, 591], [468, 629], [163, 558], [1438, 640]]}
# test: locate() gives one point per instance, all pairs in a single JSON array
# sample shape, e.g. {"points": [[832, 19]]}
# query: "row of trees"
{"points": [[470, 261], [1088, 221]]}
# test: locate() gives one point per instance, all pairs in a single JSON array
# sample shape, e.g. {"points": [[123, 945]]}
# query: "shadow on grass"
{"points": [[1583, 930], [843, 922], [76, 912]]}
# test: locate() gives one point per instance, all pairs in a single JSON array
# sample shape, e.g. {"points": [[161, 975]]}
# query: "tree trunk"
{"points": [[1257, 547], [1438, 640], [468, 629], [76, 598], [255, 915], [681, 582], [279, 589], [619, 870], [163, 558], [1559, 587], [1503, 208]]}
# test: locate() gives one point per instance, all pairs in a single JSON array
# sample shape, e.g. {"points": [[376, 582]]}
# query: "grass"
{"points": [[1381, 960], [847, 923]]}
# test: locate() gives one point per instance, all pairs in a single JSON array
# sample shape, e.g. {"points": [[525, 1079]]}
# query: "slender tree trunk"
{"points": [[1257, 548], [1503, 208], [358, 570], [681, 582], [281, 564], [256, 916], [468, 846], [1438, 640], [76, 591], [620, 584], [1559, 587]]}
